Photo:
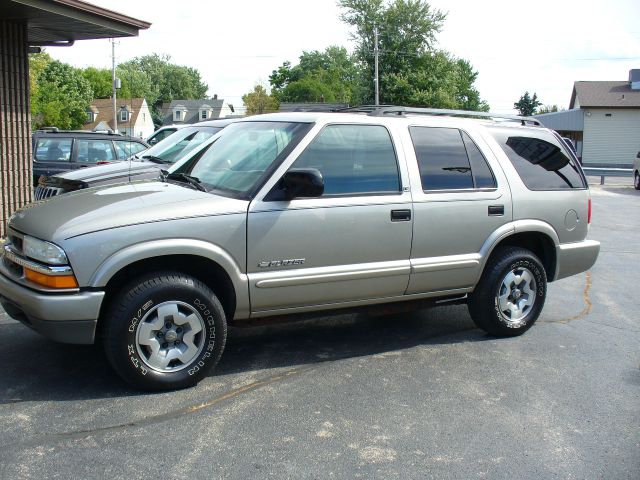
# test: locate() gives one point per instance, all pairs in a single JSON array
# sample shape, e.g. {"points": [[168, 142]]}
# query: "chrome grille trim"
{"points": [[10, 255], [42, 193]]}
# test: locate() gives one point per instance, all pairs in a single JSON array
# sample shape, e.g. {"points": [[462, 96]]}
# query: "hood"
{"points": [[90, 210], [119, 172]]}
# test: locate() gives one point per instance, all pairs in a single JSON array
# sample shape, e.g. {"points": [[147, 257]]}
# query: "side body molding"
{"points": [[177, 246]]}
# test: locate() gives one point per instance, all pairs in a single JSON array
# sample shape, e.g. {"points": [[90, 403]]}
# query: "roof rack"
{"points": [[381, 110]]}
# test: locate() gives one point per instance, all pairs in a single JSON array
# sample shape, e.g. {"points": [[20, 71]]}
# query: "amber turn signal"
{"points": [[51, 281]]}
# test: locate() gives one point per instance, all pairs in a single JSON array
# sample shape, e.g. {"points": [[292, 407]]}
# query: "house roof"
{"points": [[104, 108], [192, 108], [51, 22], [612, 94]]}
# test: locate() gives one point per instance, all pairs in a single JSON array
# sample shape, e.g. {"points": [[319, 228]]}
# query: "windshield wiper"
{"points": [[154, 159], [183, 177]]}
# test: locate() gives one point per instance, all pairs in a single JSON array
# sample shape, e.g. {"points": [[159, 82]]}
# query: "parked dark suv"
{"points": [[58, 151]]}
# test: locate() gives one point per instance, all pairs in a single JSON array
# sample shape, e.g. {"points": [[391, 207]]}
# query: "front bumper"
{"points": [[66, 318], [577, 257]]}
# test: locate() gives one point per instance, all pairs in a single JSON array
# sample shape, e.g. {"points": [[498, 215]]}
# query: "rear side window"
{"points": [[93, 151], [540, 160], [53, 149], [353, 160], [449, 160]]}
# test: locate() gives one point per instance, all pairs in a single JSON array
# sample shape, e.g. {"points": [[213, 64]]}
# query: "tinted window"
{"points": [[540, 161], [442, 158], [353, 159], [125, 149], [93, 151], [53, 149], [182, 142], [482, 175]]}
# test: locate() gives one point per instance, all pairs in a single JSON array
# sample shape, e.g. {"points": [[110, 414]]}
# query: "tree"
{"points": [[100, 80], [259, 101], [37, 63], [549, 109], [527, 105], [62, 97], [158, 80], [411, 71], [329, 76]]}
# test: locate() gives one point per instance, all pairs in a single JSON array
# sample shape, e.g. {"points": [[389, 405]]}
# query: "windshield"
{"points": [[247, 152], [178, 144]]}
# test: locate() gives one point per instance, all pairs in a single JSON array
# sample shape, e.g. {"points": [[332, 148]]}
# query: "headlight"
{"points": [[44, 251]]}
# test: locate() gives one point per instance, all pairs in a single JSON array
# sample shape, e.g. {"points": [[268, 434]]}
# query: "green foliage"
{"points": [[61, 98], [527, 105], [411, 71], [259, 101], [155, 78], [549, 109], [329, 76], [100, 81], [37, 63]]}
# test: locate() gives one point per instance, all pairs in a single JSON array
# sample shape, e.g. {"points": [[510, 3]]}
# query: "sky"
{"points": [[541, 46]]}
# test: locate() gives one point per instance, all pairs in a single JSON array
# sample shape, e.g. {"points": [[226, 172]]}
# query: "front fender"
{"points": [[178, 246]]}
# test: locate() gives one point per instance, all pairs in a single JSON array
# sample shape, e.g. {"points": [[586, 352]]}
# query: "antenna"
{"points": [[113, 84]]}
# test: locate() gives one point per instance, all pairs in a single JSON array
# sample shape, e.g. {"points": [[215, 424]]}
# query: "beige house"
{"points": [[603, 121], [134, 116]]}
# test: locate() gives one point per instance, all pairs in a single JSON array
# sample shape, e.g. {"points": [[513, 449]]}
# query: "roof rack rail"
{"points": [[381, 110]]}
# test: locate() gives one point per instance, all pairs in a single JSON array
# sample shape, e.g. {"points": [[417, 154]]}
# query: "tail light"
{"points": [[589, 212]]}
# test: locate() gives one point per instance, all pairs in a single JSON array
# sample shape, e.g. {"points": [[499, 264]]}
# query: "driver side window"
{"points": [[353, 160]]}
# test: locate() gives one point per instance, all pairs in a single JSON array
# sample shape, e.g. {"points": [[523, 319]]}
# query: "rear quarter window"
{"points": [[540, 160]]}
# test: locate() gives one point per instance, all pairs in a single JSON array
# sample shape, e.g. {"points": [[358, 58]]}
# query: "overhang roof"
{"points": [[607, 94], [65, 21]]}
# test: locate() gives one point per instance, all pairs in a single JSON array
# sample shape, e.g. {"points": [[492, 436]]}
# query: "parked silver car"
{"points": [[302, 212], [144, 165]]}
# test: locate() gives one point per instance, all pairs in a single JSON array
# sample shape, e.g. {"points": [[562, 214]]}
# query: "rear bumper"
{"points": [[575, 258], [66, 318]]}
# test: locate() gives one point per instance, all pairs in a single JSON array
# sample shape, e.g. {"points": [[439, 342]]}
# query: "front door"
{"points": [[349, 245]]}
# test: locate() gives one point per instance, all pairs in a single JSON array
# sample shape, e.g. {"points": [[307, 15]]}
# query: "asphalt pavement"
{"points": [[413, 395]]}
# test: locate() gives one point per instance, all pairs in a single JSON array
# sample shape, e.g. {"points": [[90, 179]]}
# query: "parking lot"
{"points": [[413, 395]]}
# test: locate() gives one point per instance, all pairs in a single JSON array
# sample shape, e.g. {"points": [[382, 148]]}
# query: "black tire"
{"points": [[197, 334], [487, 303], [636, 181]]}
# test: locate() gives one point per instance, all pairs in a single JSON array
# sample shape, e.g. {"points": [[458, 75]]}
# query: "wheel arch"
{"points": [[534, 235], [206, 262]]}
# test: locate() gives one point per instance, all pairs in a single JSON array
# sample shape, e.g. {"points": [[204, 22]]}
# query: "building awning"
{"points": [[62, 22]]}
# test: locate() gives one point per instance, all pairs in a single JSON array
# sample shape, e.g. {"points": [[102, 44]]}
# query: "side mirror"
{"points": [[302, 183]]}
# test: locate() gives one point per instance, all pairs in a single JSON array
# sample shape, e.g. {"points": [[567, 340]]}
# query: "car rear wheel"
{"points": [[636, 180], [164, 331], [511, 292]]}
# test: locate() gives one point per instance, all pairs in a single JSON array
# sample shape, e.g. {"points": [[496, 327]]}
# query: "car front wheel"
{"points": [[636, 180], [511, 292], [164, 331]]}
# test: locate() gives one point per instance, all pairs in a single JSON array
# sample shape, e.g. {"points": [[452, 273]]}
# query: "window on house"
{"points": [[89, 117], [203, 115], [124, 115], [177, 115]]}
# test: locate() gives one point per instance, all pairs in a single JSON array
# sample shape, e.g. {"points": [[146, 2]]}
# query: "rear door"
{"points": [[351, 244], [51, 155], [462, 198]]}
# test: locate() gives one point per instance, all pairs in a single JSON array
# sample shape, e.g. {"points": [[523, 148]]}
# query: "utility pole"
{"points": [[375, 52], [113, 84]]}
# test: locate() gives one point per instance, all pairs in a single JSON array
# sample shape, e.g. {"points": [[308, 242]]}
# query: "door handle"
{"points": [[496, 210], [400, 215]]}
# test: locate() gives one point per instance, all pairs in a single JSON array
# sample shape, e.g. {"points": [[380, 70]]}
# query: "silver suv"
{"points": [[303, 212]]}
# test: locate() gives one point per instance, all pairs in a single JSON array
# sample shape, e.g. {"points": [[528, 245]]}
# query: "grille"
{"points": [[42, 193]]}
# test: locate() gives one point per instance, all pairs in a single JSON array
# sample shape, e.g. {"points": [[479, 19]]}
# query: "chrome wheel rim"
{"points": [[170, 336], [516, 296]]}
